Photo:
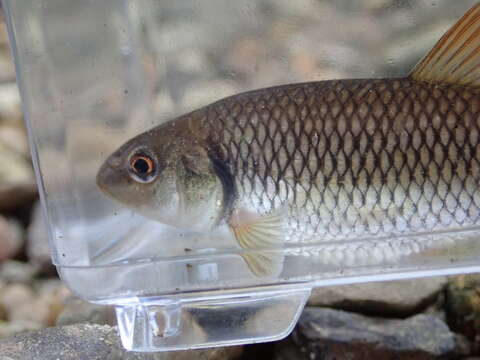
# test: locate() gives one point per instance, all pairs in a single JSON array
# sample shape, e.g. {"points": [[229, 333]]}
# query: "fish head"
{"points": [[165, 175]]}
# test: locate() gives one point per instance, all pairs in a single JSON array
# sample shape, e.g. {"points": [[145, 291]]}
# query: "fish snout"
{"points": [[102, 175], [109, 174], [114, 161]]}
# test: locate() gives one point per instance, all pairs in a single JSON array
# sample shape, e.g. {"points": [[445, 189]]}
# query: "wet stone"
{"points": [[52, 295], [14, 136], [10, 108], [17, 300], [93, 342], [3, 311], [463, 306], [7, 70], [393, 298], [15, 327], [334, 334], [40, 304], [11, 238], [17, 185], [17, 272], [80, 311], [38, 249]]}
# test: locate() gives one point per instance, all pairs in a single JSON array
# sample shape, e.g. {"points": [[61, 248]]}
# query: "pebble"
{"points": [[18, 302], [203, 93], [10, 108], [16, 327], [463, 306], [52, 294], [14, 137], [94, 342], [279, 41], [17, 271], [23, 304], [246, 56], [7, 69], [12, 238], [38, 248], [335, 334], [397, 298], [77, 310], [17, 184], [3, 311]]}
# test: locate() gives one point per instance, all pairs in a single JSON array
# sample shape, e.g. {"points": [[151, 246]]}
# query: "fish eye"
{"points": [[143, 167]]}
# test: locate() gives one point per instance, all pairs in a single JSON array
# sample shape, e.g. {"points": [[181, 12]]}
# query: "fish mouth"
{"points": [[103, 177]]}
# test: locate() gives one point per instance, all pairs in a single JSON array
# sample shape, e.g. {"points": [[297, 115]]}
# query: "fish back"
{"points": [[353, 158]]}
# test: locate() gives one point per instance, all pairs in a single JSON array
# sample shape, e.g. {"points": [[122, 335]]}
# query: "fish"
{"points": [[325, 161]]}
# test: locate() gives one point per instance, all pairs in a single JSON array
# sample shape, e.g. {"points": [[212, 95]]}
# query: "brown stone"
{"points": [[327, 334], [463, 306], [80, 311], [392, 298], [93, 342]]}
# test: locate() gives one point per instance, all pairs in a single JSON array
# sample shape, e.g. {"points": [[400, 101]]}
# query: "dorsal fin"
{"points": [[455, 58]]}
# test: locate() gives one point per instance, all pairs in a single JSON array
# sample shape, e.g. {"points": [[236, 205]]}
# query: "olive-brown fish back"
{"points": [[354, 157]]}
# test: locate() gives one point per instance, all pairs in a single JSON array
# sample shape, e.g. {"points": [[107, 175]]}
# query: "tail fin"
{"points": [[455, 58]]}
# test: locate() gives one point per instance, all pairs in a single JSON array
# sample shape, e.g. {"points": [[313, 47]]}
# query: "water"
{"points": [[94, 74]]}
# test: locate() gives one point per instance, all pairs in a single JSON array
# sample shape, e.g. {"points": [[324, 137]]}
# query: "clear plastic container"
{"points": [[93, 74]]}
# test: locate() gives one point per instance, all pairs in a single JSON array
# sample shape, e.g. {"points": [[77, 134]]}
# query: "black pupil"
{"points": [[141, 166]]}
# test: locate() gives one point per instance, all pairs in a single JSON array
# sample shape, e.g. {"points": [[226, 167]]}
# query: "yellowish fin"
{"points": [[455, 59], [255, 233]]}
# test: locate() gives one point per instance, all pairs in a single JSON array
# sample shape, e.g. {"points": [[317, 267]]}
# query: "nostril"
{"points": [[114, 161], [101, 176]]}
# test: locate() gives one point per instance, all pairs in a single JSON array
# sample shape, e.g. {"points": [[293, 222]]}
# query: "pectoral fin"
{"points": [[263, 237]]}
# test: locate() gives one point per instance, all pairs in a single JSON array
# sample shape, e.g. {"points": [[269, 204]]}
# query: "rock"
{"points": [[10, 108], [11, 238], [287, 349], [203, 93], [22, 304], [464, 346], [92, 341], [3, 311], [335, 334], [17, 300], [13, 133], [38, 248], [17, 272], [243, 51], [397, 298], [7, 70], [462, 300], [15, 327], [77, 310], [52, 294], [14, 137], [17, 184]]}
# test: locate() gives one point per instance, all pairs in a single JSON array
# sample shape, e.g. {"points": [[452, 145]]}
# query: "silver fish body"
{"points": [[321, 162], [352, 159]]}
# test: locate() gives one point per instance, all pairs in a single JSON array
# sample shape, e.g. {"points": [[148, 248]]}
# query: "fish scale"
{"points": [[353, 157], [348, 169]]}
